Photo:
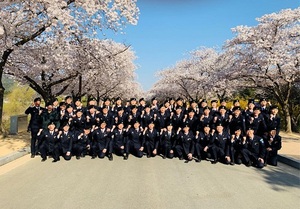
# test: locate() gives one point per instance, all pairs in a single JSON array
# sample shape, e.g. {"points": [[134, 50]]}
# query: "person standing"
{"points": [[35, 124]]}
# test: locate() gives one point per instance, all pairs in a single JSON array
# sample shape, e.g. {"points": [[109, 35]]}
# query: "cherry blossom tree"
{"points": [[267, 56], [22, 22], [203, 75], [107, 69]]}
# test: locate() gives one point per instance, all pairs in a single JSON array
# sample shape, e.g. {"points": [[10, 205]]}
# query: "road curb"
{"points": [[295, 163], [13, 156]]}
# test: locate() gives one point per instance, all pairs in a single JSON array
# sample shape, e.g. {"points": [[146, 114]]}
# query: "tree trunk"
{"points": [[288, 119], [2, 89]]}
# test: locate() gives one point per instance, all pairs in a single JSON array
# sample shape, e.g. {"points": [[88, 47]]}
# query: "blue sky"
{"points": [[168, 29]]}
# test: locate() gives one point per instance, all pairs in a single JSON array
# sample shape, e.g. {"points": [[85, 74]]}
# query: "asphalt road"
{"points": [[147, 183]]}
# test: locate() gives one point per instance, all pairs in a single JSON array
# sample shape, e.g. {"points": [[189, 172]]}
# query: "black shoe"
{"points": [[164, 157], [125, 157], [44, 159], [214, 162], [93, 157], [54, 161], [32, 155], [249, 164], [231, 163], [181, 158], [110, 157], [197, 160], [82, 155], [77, 157], [148, 156]]}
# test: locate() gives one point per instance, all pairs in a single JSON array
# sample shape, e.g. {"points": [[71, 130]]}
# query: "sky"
{"points": [[168, 30]]}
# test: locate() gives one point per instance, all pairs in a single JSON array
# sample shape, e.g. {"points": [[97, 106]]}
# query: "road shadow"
{"points": [[280, 177]]}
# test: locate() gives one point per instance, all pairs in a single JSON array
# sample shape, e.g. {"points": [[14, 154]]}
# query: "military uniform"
{"points": [[151, 141], [35, 124], [272, 144], [101, 139], [49, 144], [185, 144], [252, 150], [134, 142]]}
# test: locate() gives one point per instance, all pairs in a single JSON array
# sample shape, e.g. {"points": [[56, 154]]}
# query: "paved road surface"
{"points": [[147, 183]]}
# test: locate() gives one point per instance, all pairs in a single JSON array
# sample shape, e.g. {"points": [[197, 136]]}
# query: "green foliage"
{"points": [[8, 84], [16, 102]]}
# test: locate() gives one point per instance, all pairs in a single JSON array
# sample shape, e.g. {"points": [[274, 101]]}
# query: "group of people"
{"points": [[191, 130]]}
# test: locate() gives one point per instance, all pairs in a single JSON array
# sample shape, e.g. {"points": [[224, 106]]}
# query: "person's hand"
{"points": [[68, 153], [122, 147], [171, 151], [205, 149], [190, 156], [261, 160], [154, 152], [104, 150], [141, 149]]}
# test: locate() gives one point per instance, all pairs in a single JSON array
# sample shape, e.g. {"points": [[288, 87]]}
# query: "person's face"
{"points": [[237, 112], [136, 125], [223, 104], [134, 110], [167, 104], [263, 103], [206, 129], [162, 109], [191, 114], [142, 103], [79, 114], [66, 128], [219, 129], [49, 108], [107, 103], [251, 106], [119, 102], [133, 102], [103, 125], [151, 126], [250, 133], [105, 111], [236, 104], [120, 112], [169, 128], [179, 103], [37, 103], [78, 103], [92, 102], [92, 110], [51, 127], [69, 101], [272, 133], [237, 132], [206, 112], [63, 107], [214, 104], [274, 111], [87, 131], [55, 103], [154, 102], [121, 126], [178, 111], [186, 129], [194, 105], [256, 112], [147, 109], [203, 104], [70, 109], [222, 111]]}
